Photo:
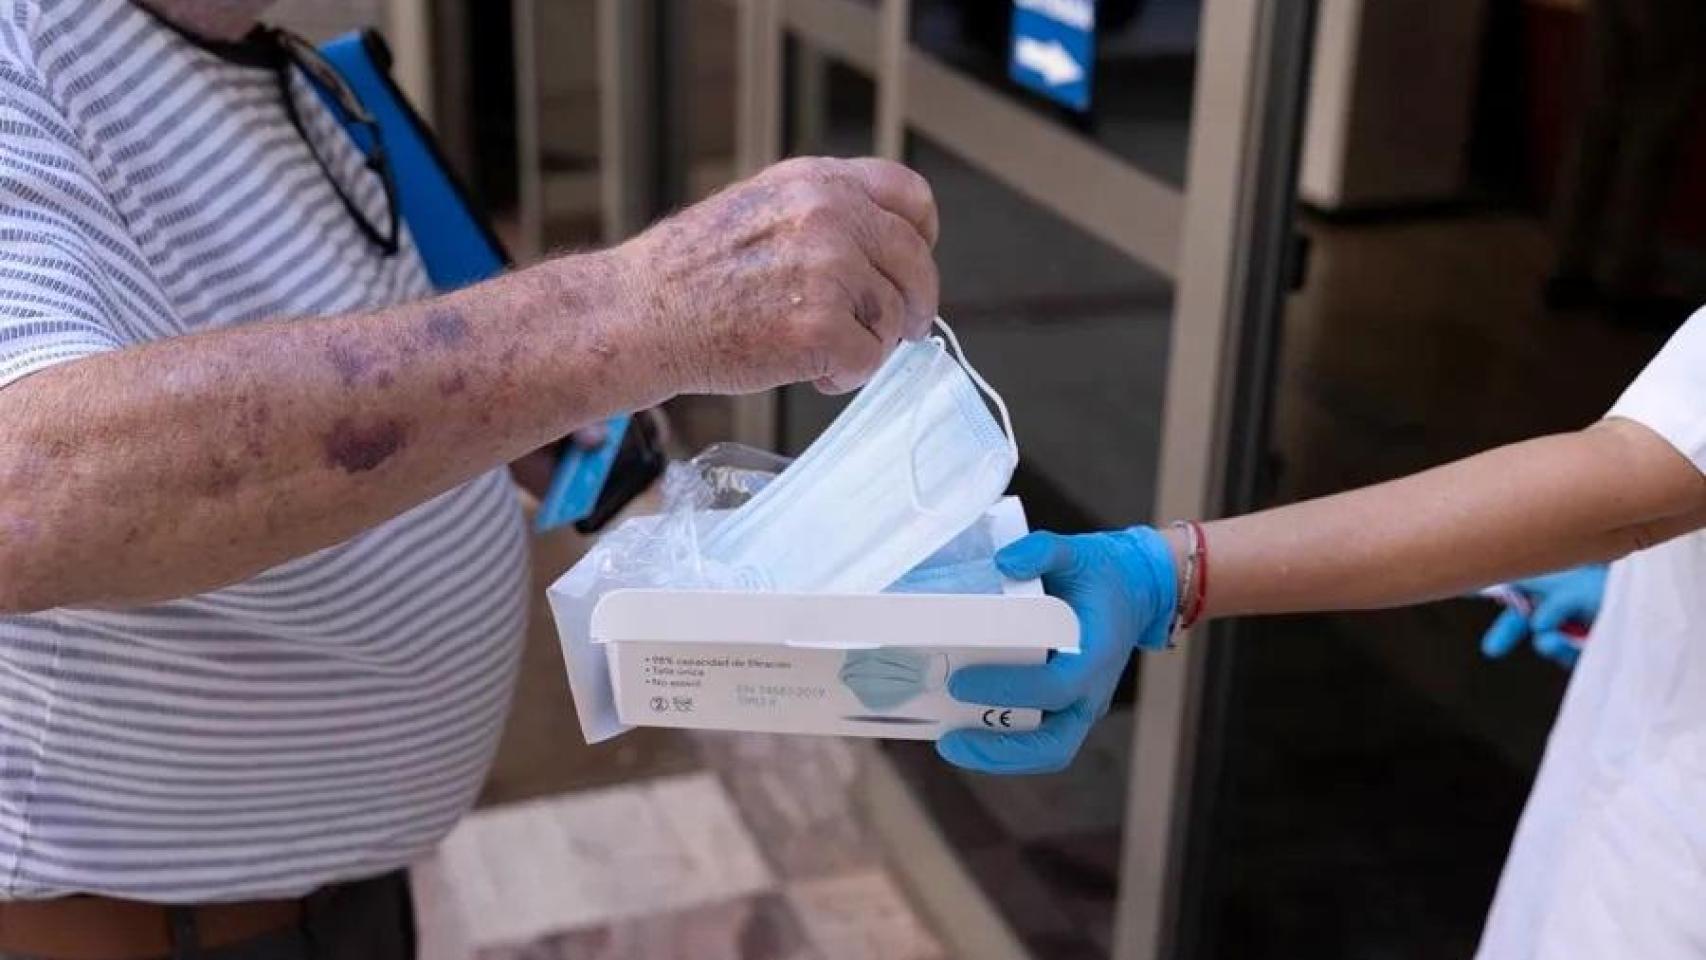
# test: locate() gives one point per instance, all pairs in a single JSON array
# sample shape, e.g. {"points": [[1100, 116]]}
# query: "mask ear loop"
{"points": [[984, 387]]}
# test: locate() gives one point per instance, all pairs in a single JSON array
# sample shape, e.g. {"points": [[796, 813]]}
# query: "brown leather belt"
{"points": [[102, 928]]}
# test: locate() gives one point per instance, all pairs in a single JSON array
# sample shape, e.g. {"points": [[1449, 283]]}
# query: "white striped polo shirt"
{"points": [[332, 717]]}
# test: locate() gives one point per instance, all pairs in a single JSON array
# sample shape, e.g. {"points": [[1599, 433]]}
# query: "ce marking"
{"points": [[998, 718]]}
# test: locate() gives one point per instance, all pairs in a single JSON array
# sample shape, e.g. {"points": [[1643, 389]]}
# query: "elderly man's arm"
{"points": [[187, 464]]}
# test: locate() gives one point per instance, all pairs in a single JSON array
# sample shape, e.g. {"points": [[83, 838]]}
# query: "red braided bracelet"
{"points": [[1199, 591]]}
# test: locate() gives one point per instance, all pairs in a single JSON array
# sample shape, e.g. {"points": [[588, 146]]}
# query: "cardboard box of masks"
{"points": [[872, 665]]}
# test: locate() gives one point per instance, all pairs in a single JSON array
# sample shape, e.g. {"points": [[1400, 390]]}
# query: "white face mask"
{"points": [[913, 460]]}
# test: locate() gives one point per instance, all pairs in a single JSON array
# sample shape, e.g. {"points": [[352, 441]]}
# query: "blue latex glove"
{"points": [[1559, 598], [1123, 586]]}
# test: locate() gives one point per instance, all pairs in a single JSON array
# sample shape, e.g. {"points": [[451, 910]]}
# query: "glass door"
{"points": [[1114, 271]]}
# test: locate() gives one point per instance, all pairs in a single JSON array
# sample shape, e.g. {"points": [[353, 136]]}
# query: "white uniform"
{"points": [[1609, 859]]}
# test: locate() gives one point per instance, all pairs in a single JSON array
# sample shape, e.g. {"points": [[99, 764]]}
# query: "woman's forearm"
{"points": [[1523, 509]]}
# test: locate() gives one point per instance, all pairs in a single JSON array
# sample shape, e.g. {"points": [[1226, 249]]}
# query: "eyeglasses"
{"points": [[363, 128]]}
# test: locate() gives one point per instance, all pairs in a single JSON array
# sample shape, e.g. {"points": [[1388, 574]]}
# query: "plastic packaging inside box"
{"points": [[855, 665], [698, 494]]}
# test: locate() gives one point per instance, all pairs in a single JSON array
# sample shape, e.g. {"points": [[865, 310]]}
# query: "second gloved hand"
{"points": [[1572, 596], [1123, 585]]}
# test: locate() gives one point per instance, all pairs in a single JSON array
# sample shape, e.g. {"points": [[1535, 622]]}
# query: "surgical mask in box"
{"points": [[845, 664]]}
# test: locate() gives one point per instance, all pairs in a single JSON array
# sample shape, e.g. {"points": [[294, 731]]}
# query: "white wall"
{"points": [[323, 19], [405, 24], [1391, 102]]}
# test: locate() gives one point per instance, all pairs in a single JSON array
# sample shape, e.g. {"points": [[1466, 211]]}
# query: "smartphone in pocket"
{"points": [[592, 485]]}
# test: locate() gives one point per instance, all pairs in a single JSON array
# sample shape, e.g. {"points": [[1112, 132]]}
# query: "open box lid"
{"points": [[588, 619], [835, 621]]}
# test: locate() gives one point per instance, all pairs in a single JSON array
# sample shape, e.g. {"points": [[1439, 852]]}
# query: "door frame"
{"points": [[1225, 242], [1238, 256]]}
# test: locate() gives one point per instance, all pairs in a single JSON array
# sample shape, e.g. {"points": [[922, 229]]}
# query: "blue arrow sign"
{"points": [[1054, 49]]}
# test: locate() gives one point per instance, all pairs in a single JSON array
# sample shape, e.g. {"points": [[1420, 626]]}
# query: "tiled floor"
{"points": [[671, 868], [524, 871], [761, 927], [1045, 850], [659, 845]]}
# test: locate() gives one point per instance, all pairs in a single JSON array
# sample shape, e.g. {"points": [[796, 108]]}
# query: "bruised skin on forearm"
{"points": [[190, 463]]}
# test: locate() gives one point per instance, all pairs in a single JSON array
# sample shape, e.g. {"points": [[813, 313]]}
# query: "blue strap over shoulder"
{"points": [[455, 241]]}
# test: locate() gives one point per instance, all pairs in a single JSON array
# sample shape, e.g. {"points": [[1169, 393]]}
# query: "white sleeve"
{"points": [[1669, 396]]}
